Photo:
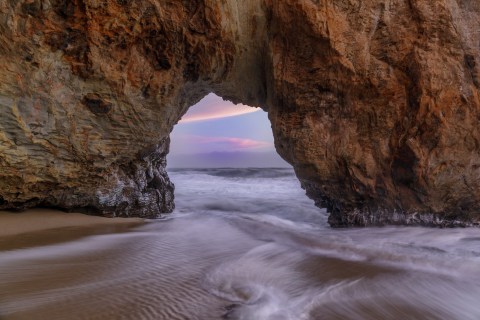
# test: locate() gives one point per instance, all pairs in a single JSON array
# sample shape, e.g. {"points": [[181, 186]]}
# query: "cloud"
{"points": [[213, 107], [194, 144], [231, 143], [239, 159]]}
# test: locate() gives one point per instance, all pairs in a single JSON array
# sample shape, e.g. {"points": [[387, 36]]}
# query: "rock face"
{"points": [[374, 103]]}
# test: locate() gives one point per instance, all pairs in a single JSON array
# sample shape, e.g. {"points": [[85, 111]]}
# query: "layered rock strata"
{"points": [[374, 103]]}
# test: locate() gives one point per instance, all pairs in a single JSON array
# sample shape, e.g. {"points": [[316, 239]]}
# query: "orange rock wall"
{"points": [[374, 103]]}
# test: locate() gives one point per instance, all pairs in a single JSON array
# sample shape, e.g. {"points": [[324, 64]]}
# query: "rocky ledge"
{"points": [[375, 103]]}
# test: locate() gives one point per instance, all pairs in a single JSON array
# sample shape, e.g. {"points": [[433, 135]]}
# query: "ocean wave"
{"points": [[264, 173]]}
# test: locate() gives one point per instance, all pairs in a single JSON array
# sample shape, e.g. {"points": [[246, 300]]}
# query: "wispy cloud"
{"points": [[237, 159], [231, 143], [213, 107]]}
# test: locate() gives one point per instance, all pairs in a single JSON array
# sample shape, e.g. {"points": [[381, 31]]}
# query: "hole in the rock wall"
{"points": [[218, 134], [222, 160]]}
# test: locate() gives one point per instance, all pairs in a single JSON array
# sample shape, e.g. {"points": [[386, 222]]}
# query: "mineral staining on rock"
{"points": [[375, 103]]}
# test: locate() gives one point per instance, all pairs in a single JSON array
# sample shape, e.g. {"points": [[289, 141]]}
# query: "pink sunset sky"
{"points": [[213, 107], [217, 133]]}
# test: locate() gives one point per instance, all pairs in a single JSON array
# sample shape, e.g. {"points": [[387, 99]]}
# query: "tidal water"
{"points": [[245, 244]]}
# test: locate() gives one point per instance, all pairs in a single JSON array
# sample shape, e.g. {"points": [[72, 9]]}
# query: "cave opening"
{"points": [[215, 133], [223, 160]]}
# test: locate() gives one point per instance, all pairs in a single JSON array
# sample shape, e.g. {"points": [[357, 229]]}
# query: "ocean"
{"points": [[245, 244]]}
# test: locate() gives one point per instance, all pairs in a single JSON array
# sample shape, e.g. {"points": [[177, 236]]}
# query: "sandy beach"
{"points": [[34, 220], [40, 227]]}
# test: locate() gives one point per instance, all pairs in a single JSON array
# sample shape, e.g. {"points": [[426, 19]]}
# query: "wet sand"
{"points": [[14, 223], [214, 266], [150, 272], [40, 227]]}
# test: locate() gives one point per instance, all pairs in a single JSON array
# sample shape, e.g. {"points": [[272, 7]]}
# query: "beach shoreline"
{"points": [[36, 220], [41, 227]]}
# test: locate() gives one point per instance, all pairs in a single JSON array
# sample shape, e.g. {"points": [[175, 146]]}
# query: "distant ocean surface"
{"points": [[246, 244]]}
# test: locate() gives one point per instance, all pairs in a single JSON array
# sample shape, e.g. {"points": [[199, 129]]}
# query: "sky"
{"points": [[216, 133]]}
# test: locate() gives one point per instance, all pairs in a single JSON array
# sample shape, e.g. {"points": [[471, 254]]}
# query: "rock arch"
{"points": [[374, 103]]}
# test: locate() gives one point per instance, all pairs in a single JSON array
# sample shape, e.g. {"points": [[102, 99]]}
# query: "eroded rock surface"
{"points": [[375, 103]]}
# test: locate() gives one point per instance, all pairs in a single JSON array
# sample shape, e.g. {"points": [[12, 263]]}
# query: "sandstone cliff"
{"points": [[375, 103]]}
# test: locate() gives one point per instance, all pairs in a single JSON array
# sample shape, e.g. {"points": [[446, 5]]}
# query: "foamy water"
{"points": [[246, 244]]}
